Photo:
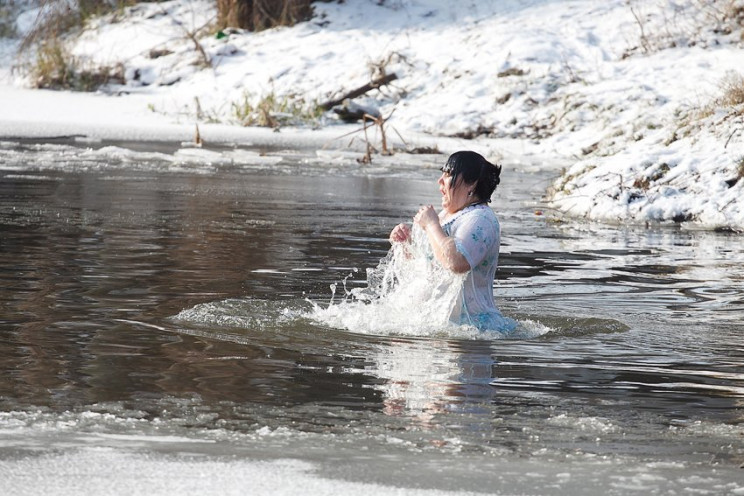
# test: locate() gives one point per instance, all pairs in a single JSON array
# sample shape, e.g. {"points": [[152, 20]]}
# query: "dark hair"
{"points": [[473, 168]]}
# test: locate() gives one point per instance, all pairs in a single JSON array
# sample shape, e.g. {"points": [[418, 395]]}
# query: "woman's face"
{"points": [[454, 197]]}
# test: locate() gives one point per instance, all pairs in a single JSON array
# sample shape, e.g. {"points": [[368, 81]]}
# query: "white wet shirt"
{"points": [[477, 236]]}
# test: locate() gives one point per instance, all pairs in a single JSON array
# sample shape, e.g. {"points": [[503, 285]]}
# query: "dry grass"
{"points": [[700, 23], [55, 68], [733, 14], [49, 62], [732, 87], [730, 101], [274, 111]]}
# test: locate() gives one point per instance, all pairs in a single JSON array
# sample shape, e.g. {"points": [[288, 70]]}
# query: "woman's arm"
{"points": [[444, 247]]}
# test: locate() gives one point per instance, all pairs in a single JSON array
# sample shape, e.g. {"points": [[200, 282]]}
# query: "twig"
{"points": [[191, 35], [367, 159], [399, 136], [731, 136], [644, 39], [368, 121]]}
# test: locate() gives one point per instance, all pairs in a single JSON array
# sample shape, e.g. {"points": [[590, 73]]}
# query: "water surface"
{"points": [[160, 302]]}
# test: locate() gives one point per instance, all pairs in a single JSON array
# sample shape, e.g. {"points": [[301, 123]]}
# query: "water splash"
{"points": [[408, 295]]}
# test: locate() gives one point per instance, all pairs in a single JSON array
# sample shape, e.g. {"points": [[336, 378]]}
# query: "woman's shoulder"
{"points": [[482, 212], [477, 217], [478, 227]]}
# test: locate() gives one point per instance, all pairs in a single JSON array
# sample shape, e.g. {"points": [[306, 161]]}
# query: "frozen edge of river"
{"points": [[91, 117]]}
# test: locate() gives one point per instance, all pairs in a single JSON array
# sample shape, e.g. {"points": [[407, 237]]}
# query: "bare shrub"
{"points": [[663, 24], [732, 87]]}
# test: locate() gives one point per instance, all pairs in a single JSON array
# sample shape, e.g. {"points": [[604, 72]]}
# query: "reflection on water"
{"points": [[173, 295], [426, 378]]}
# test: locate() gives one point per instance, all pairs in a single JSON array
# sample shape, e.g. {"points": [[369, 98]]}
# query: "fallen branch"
{"points": [[372, 85]]}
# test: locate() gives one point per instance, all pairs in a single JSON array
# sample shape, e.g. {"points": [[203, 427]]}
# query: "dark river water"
{"points": [[158, 306]]}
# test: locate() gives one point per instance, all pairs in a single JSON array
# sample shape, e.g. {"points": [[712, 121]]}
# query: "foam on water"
{"points": [[383, 317], [238, 313]]}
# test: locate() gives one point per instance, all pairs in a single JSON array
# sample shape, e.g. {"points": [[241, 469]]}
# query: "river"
{"points": [[159, 315]]}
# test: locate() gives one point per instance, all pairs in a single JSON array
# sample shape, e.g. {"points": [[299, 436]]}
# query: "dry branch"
{"points": [[372, 85]]}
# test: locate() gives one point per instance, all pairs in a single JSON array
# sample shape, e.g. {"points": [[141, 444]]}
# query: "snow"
{"points": [[623, 99], [89, 471]]}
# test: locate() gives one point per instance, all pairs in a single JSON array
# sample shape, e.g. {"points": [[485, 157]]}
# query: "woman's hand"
{"points": [[444, 247], [400, 234], [426, 217]]}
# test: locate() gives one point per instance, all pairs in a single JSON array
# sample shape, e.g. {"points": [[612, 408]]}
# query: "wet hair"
{"points": [[473, 168]]}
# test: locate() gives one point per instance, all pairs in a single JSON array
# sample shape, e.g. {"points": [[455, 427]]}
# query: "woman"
{"points": [[464, 237]]}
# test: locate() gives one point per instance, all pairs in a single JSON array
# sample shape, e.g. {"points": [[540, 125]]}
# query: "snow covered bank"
{"points": [[698, 178], [609, 87]]}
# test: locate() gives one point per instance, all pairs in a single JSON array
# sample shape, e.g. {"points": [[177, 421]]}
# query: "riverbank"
{"points": [[631, 99]]}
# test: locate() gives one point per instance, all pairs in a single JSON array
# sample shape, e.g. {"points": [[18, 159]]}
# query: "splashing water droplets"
{"points": [[408, 293]]}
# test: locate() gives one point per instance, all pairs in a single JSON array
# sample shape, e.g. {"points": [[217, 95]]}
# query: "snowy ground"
{"points": [[629, 97]]}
